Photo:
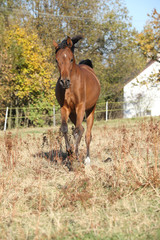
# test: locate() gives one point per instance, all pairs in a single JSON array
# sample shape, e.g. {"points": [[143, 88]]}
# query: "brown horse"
{"points": [[77, 91]]}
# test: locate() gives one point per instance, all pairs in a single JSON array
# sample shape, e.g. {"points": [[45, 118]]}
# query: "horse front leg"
{"points": [[64, 127], [78, 131], [88, 136]]}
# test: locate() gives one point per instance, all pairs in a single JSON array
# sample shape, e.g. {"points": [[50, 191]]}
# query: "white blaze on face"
{"points": [[65, 55]]}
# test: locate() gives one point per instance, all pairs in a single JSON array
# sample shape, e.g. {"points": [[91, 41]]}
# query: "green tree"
{"points": [[109, 41], [119, 52]]}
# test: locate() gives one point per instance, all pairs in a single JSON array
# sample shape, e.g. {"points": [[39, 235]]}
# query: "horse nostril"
{"points": [[61, 82], [67, 82]]}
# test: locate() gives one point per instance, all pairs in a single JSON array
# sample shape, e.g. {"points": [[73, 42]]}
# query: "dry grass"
{"points": [[40, 198]]}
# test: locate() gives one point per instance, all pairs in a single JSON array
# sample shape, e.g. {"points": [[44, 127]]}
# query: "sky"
{"points": [[138, 10]]}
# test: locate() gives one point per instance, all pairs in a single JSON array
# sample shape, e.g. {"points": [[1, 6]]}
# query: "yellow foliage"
{"points": [[33, 72], [149, 40]]}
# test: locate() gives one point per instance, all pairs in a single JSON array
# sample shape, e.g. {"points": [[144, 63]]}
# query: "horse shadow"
{"points": [[57, 157], [55, 152]]}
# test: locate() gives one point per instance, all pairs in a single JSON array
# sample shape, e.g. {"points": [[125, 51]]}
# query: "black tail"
{"points": [[86, 62]]}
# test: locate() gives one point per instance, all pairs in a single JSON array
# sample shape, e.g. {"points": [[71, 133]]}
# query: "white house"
{"points": [[142, 94]]}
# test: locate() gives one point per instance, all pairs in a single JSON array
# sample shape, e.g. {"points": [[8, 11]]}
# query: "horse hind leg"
{"points": [[73, 117], [77, 133], [88, 136], [64, 130]]}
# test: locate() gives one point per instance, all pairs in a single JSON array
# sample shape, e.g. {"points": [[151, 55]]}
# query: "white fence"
{"points": [[34, 116]]}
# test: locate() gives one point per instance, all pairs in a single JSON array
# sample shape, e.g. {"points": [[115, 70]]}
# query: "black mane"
{"points": [[64, 44]]}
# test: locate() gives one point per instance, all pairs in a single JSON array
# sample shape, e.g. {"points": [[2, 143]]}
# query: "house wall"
{"points": [[141, 96]]}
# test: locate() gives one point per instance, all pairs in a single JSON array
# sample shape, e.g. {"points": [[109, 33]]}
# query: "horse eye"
{"points": [[72, 60]]}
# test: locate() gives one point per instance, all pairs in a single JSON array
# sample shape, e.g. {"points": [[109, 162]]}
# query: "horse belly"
{"points": [[92, 94]]}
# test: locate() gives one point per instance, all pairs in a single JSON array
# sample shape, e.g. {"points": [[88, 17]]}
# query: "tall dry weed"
{"points": [[47, 195]]}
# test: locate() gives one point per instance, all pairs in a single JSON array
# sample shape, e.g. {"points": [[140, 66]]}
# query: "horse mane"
{"points": [[76, 38], [64, 44], [86, 62]]}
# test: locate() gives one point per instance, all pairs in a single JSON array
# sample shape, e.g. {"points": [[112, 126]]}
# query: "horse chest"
{"points": [[70, 100]]}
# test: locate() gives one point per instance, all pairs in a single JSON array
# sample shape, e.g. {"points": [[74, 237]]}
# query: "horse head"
{"points": [[65, 59]]}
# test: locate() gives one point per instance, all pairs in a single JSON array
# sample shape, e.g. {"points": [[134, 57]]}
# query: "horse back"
{"points": [[86, 62]]}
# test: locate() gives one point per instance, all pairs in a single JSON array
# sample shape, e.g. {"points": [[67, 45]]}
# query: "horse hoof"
{"points": [[87, 161]]}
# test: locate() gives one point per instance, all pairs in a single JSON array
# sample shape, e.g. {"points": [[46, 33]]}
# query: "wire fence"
{"points": [[50, 116]]}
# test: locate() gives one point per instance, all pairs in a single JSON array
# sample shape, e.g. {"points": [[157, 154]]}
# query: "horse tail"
{"points": [[86, 62], [76, 39]]}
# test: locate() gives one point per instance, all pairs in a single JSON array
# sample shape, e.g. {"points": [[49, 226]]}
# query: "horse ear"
{"points": [[55, 44], [69, 42]]}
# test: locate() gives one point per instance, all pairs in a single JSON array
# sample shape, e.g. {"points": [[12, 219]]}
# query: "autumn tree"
{"points": [[27, 77], [109, 41], [32, 74], [148, 39]]}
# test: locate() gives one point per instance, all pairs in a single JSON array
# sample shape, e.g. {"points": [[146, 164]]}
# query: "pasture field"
{"points": [[44, 195]]}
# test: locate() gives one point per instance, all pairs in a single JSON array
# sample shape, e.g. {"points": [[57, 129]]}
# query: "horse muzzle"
{"points": [[65, 83]]}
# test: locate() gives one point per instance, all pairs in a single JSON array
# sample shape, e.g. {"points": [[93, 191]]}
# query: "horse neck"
{"points": [[75, 70]]}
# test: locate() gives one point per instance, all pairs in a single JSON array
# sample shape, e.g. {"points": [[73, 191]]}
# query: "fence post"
{"points": [[17, 117], [5, 123], [106, 111], [54, 116], [10, 118]]}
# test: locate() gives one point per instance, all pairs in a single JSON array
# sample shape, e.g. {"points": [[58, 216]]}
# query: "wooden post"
{"points": [[17, 116], [5, 123], [10, 118], [54, 116], [106, 111]]}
